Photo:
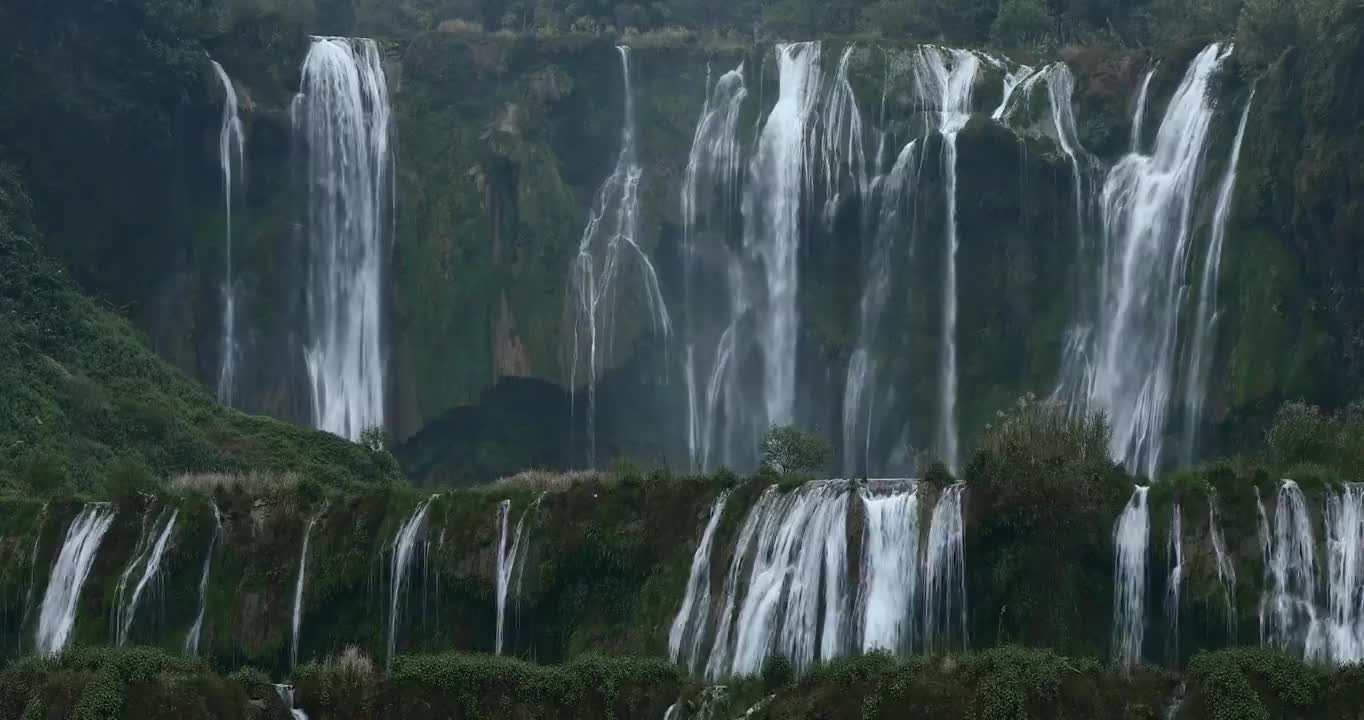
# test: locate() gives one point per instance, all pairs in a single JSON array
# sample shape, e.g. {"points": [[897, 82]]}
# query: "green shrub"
{"points": [[777, 672], [1021, 23], [789, 451]]}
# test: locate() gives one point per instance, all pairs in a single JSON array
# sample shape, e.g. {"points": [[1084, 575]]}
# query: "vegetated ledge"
{"points": [[87, 406], [1007, 682]]}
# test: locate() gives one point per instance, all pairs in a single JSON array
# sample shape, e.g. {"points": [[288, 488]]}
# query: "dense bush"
{"points": [[789, 451], [1302, 434]]}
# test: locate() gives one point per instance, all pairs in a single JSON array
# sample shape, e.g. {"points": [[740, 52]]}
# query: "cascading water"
{"points": [[57, 615], [298, 590], [1288, 613], [1131, 540], [1139, 115], [1174, 551], [402, 550], [945, 575], [195, 630], [231, 147], [1226, 571], [710, 199], [610, 240], [892, 195], [149, 571], [144, 542], [1205, 323], [943, 80], [509, 561], [841, 138], [286, 696], [1344, 631], [890, 568], [792, 545], [689, 626], [342, 117], [780, 169], [1147, 205]]}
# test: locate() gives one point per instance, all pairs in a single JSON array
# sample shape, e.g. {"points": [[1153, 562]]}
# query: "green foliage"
{"points": [[1021, 23], [90, 405], [789, 451], [777, 672], [1266, 28], [1237, 683], [1302, 434]]}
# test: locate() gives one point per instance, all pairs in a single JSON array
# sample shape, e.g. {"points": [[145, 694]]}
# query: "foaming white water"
{"points": [[890, 568], [1288, 612], [1147, 207], [687, 633], [780, 168], [57, 614], [509, 561], [1344, 626], [342, 115], [1131, 545], [945, 574], [944, 79], [1174, 551]]}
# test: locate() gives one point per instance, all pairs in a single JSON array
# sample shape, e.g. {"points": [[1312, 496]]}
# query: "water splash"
{"points": [[298, 590], [1131, 541], [890, 567], [231, 146], [944, 79], [57, 614], [195, 630], [149, 571], [688, 630], [1226, 570], [1288, 613], [402, 550], [342, 117], [1205, 324]]}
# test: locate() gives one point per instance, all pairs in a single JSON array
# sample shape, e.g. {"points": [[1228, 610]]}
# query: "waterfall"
{"points": [[946, 93], [841, 139], [509, 561], [1205, 323], [780, 168], [195, 630], [1012, 78], [342, 118], [890, 568], [231, 142], [1139, 115], [609, 241], [892, 194], [57, 614], [792, 545], [298, 590], [1226, 571], [402, 550], [1147, 205], [1060, 88], [945, 574], [710, 192], [1174, 550], [149, 571], [1344, 632], [1288, 613], [144, 542], [688, 629], [1131, 538], [33, 567], [286, 696]]}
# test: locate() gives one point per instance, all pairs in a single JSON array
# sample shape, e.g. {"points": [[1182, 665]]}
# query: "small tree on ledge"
{"points": [[787, 450]]}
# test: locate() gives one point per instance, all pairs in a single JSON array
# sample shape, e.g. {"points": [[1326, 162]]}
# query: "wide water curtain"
{"points": [[1148, 204], [342, 118]]}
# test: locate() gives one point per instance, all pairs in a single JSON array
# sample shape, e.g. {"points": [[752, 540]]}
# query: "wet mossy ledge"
{"points": [[998, 684]]}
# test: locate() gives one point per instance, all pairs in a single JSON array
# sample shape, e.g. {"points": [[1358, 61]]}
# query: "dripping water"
{"points": [[231, 147], [195, 630]]}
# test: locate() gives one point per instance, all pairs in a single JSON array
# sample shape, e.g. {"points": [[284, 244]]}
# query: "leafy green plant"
{"points": [[787, 450]]}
